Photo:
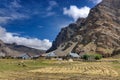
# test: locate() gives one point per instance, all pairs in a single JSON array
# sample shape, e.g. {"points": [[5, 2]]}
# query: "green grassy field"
{"points": [[13, 69]]}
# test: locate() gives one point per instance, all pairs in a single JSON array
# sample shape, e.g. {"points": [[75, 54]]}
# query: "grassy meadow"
{"points": [[14, 69]]}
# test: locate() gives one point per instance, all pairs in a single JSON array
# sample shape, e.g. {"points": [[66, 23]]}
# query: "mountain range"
{"points": [[98, 33], [14, 50]]}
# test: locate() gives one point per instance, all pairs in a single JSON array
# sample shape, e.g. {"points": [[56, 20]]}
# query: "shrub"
{"points": [[98, 56], [85, 57], [92, 57]]}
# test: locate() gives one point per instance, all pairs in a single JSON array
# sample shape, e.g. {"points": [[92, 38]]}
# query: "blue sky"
{"points": [[35, 23]]}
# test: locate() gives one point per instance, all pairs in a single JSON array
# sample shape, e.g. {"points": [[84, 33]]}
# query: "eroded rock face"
{"points": [[99, 32], [66, 34]]}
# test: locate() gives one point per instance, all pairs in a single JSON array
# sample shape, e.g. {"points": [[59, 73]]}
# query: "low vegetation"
{"points": [[14, 69], [92, 57]]}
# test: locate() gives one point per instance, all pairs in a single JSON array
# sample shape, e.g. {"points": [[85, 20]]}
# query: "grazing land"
{"points": [[14, 69]]}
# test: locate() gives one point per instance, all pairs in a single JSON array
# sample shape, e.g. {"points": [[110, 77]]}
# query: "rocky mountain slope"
{"points": [[24, 49], [98, 33], [5, 51], [14, 50]]}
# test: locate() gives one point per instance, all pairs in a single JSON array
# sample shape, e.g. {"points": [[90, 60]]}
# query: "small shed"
{"points": [[73, 55], [51, 55], [2, 54]]}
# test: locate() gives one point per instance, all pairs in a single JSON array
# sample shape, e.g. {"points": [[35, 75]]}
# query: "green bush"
{"points": [[92, 57], [98, 56], [85, 57]]}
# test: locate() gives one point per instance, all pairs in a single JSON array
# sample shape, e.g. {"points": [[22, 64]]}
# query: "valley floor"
{"points": [[13, 69]]}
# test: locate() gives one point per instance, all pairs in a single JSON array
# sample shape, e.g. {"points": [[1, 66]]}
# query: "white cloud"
{"points": [[4, 20], [76, 12], [17, 15], [10, 12], [11, 17], [50, 14], [96, 1], [52, 4], [15, 4], [8, 37]]}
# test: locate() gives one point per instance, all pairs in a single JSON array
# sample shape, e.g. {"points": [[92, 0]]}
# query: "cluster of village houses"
{"points": [[20, 56], [62, 56], [47, 56]]}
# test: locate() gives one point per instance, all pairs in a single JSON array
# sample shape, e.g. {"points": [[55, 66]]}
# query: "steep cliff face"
{"points": [[66, 34], [99, 32]]}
